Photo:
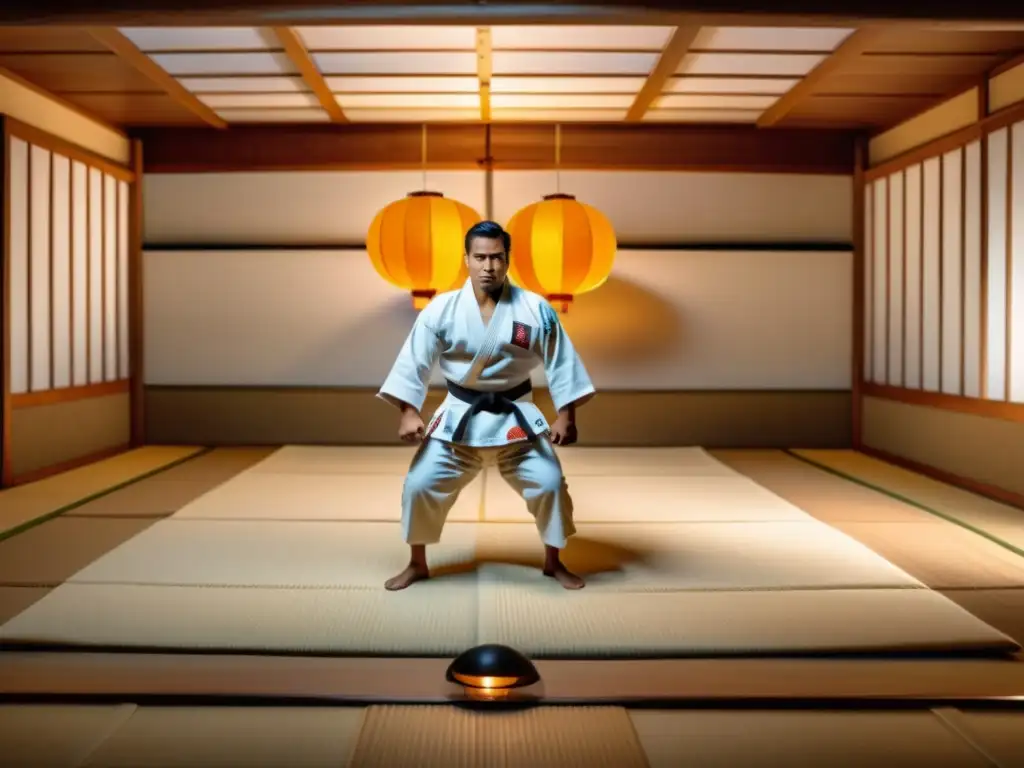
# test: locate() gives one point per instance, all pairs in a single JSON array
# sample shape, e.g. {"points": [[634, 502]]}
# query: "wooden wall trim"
{"points": [[48, 141], [64, 103], [68, 394], [955, 140], [625, 146], [993, 409], [5, 306], [859, 290]]}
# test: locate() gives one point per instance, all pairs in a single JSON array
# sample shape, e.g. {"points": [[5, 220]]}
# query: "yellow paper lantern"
{"points": [[416, 244], [561, 248]]}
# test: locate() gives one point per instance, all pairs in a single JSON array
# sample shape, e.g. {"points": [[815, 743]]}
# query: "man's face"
{"points": [[487, 263]]}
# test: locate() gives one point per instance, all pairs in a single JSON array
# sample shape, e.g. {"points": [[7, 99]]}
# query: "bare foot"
{"points": [[406, 578], [564, 576]]}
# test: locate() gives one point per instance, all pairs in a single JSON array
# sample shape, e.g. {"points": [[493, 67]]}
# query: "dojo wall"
{"points": [[944, 312], [727, 320], [66, 397]]}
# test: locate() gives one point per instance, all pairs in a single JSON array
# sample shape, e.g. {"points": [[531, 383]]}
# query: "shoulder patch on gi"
{"points": [[521, 334]]}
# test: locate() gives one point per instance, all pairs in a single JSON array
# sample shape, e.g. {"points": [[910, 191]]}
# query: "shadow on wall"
{"points": [[622, 323]]}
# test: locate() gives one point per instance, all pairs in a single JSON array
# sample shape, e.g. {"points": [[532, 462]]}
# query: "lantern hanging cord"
{"points": [[558, 158], [423, 154]]}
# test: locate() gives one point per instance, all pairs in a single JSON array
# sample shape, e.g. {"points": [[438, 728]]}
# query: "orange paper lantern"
{"points": [[416, 244], [561, 248]]}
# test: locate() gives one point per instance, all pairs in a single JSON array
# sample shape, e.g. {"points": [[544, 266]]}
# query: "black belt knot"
{"points": [[492, 402]]}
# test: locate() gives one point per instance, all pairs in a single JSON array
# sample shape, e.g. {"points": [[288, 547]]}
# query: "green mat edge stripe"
{"points": [[906, 500], [22, 527]]}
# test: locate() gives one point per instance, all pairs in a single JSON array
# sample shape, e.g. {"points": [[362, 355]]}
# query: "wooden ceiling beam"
{"points": [[311, 75], [483, 71], [668, 64], [850, 49], [130, 53]]}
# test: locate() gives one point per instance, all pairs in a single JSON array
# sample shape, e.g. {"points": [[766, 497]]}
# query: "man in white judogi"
{"points": [[487, 336]]}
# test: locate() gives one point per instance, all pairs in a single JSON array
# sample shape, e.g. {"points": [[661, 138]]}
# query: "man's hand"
{"points": [[410, 428], [563, 431]]}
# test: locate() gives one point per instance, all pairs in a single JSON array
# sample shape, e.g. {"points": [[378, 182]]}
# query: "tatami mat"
{"points": [[327, 496], [547, 737], [999, 735], [1000, 520], [1001, 608], [550, 623], [253, 737], [14, 600], [439, 618], [337, 459], [219, 464], [51, 552], [55, 736], [152, 497], [650, 499], [766, 739], [25, 503]]}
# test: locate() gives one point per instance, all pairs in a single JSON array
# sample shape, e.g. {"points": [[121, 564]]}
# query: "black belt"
{"points": [[492, 402]]}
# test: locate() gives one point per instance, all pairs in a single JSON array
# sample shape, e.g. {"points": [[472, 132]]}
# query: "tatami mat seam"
{"points": [[28, 524], [906, 500], [949, 716]]}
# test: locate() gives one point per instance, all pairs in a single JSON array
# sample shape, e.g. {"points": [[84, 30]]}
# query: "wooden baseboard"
{"points": [[67, 466], [995, 493]]}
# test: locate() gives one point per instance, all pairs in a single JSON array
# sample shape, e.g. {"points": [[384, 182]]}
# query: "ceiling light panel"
{"points": [[394, 63], [398, 38], [567, 84], [243, 84], [770, 38], [703, 115], [571, 63], [561, 101], [467, 84], [730, 85], [201, 38], [744, 64], [260, 100], [271, 116], [558, 115], [408, 100], [411, 115], [706, 101], [185, 64], [592, 37]]}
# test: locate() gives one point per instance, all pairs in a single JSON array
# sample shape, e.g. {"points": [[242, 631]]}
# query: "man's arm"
{"points": [[568, 381], [406, 384]]}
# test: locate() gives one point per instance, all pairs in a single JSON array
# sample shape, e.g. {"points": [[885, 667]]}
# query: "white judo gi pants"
{"points": [[440, 471]]}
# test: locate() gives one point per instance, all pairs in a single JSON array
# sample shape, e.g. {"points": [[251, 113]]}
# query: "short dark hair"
{"points": [[490, 230]]}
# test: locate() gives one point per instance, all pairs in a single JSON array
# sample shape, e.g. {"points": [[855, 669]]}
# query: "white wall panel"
{"points": [[286, 208], [123, 224], [1016, 267], [952, 266], [665, 320], [972, 270], [880, 282], [40, 351], [95, 278], [870, 191], [80, 273], [61, 294], [109, 278], [931, 271], [19, 245], [913, 303], [897, 265], [995, 346]]}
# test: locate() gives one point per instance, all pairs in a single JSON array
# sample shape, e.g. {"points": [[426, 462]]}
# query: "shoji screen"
{"points": [[944, 272], [68, 251]]}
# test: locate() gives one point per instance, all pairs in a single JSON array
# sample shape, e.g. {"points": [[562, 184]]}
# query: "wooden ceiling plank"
{"points": [[668, 65], [849, 50], [483, 71], [130, 53], [300, 57]]}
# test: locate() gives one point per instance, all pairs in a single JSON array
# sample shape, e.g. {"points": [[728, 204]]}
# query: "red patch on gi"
{"points": [[516, 433], [434, 425], [521, 335]]}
